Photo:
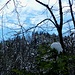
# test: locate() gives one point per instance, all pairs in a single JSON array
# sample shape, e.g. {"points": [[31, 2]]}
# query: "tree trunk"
{"points": [[61, 38]]}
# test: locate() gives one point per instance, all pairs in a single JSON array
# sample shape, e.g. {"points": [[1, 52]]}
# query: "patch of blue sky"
{"points": [[68, 25], [7, 33], [32, 14]]}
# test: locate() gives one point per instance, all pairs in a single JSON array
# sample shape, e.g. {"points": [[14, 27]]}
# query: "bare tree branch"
{"points": [[47, 19], [67, 21], [56, 24], [61, 14], [5, 5], [71, 10]]}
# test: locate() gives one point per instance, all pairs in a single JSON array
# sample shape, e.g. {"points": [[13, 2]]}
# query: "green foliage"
{"points": [[46, 57], [49, 62], [23, 72], [17, 71], [52, 63], [20, 72]]}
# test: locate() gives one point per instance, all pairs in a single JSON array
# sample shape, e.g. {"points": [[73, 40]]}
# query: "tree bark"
{"points": [[61, 38], [58, 26]]}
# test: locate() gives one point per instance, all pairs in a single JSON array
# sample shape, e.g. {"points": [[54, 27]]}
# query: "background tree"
{"points": [[54, 21]]}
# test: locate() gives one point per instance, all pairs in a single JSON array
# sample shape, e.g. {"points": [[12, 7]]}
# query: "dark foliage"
{"points": [[20, 57]]}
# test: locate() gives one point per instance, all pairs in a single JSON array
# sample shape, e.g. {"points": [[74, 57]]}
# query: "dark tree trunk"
{"points": [[61, 38], [58, 26]]}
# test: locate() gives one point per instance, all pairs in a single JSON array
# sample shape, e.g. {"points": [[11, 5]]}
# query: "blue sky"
{"points": [[30, 13]]}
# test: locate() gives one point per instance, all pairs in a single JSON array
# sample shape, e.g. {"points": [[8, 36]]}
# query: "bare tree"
{"points": [[71, 11], [54, 21]]}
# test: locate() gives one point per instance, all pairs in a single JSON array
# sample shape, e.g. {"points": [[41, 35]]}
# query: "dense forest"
{"points": [[34, 56]]}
